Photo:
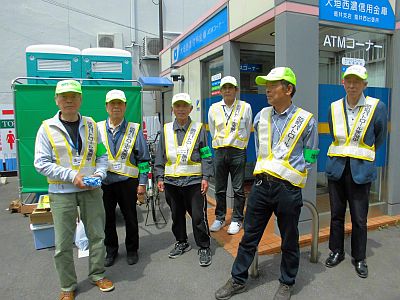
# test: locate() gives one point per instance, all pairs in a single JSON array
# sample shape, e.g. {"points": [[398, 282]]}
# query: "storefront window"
{"points": [[253, 64], [215, 71], [341, 47]]}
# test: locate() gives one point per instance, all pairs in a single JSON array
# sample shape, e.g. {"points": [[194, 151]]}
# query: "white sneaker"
{"points": [[217, 225], [234, 227]]}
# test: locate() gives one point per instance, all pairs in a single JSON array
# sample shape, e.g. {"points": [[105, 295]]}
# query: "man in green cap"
{"points": [[358, 126], [286, 139], [68, 151]]}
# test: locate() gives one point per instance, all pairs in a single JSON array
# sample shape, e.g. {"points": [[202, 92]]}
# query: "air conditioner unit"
{"points": [[106, 40], [151, 47], [109, 40]]}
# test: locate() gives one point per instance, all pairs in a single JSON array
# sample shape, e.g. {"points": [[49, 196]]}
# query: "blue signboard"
{"points": [[250, 68], [215, 83], [202, 36], [371, 13]]}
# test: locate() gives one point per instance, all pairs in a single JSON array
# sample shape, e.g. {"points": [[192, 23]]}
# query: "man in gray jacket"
{"points": [[68, 151]]}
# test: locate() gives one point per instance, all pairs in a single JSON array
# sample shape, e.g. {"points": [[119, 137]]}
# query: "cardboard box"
{"points": [[44, 202], [41, 216], [28, 208], [43, 236]]}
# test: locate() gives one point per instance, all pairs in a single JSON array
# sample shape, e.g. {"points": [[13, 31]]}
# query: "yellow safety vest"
{"points": [[352, 145], [83, 163], [276, 163], [226, 133], [121, 164], [178, 157]]}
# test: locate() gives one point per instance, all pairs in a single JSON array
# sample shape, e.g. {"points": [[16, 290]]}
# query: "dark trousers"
{"points": [[123, 193], [285, 201], [227, 161], [341, 191], [182, 199]]}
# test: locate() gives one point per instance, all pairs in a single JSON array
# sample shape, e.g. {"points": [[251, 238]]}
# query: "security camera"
{"points": [[174, 72], [175, 75]]}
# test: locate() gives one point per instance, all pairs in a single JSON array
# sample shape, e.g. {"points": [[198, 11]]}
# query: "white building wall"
{"points": [[192, 84], [242, 12], [165, 61], [76, 23]]}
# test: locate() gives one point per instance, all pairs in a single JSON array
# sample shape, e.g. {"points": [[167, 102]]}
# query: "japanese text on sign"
{"points": [[335, 41], [372, 13]]}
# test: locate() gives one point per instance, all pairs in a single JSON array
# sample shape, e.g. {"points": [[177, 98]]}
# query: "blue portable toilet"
{"points": [[52, 61], [106, 63]]}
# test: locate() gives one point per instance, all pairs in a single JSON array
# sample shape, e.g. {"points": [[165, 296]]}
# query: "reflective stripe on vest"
{"points": [[63, 152], [352, 145], [226, 134], [178, 157], [276, 163], [121, 164]]}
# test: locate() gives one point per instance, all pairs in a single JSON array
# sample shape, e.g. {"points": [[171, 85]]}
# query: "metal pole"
{"points": [[17, 80], [162, 117], [254, 266], [16, 144], [160, 25], [314, 231], [253, 270]]}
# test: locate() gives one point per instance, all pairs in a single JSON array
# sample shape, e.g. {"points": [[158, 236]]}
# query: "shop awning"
{"points": [[161, 84]]}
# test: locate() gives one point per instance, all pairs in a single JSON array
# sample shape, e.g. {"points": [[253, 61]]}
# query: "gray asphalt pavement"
{"points": [[27, 273]]}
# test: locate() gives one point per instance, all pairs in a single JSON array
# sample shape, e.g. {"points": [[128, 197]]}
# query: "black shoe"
{"points": [[179, 249], [361, 268], [132, 258], [284, 292], [110, 259], [229, 289], [205, 257], [334, 259]]}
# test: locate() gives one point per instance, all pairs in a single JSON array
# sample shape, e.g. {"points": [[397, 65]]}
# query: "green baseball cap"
{"points": [[280, 73], [69, 85]]}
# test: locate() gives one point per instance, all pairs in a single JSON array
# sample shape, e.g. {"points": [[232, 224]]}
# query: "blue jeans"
{"points": [[227, 161], [285, 201]]}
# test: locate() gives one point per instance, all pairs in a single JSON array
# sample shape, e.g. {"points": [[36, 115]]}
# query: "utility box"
{"points": [[106, 63], [52, 61], [43, 236]]}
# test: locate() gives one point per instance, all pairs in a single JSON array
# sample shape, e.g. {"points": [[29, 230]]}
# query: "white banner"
{"points": [[8, 152]]}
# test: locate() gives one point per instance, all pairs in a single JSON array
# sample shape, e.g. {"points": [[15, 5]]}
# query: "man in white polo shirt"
{"points": [[230, 122]]}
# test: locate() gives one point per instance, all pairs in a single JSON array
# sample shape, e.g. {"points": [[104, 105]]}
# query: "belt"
{"points": [[268, 177]]}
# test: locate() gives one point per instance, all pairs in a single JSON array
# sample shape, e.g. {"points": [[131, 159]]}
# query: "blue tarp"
{"points": [[161, 84]]}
